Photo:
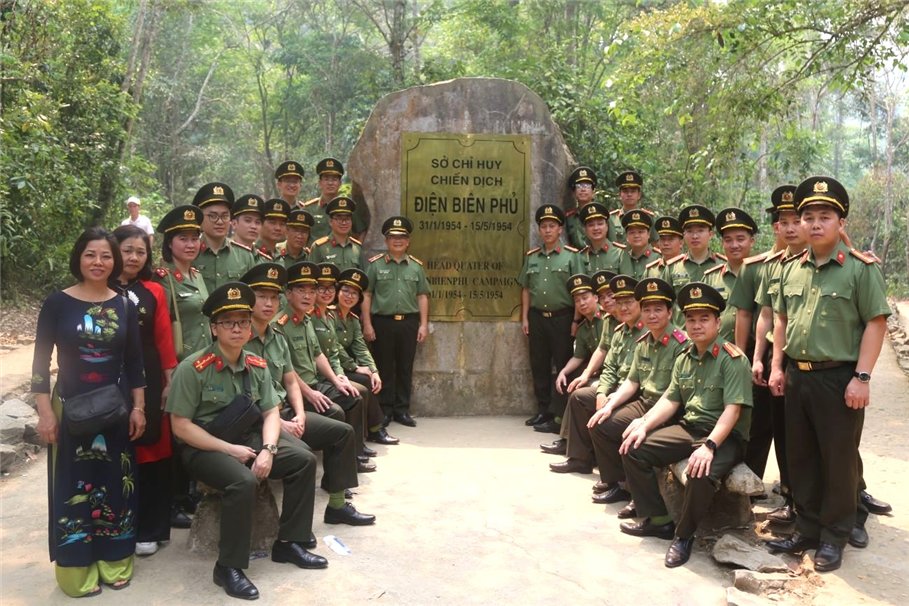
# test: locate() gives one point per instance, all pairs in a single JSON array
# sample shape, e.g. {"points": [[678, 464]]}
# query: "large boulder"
{"points": [[17, 409], [732, 550], [206, 529]]}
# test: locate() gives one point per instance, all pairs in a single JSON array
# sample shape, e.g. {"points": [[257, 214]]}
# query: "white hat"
{"points": [[133, 199]]}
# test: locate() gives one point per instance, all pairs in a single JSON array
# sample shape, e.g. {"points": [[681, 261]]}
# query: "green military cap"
{"points": [[328, 272], [697, 295], [181, 217], [731, 218], [212, 193], [276, 208], [300, 218], [250, 203], [397, 225], [582, 174], [266, 275], [594, 210], [821, 190], [629, 178], [622, 285], [667, 225], [782, 198], [696, 214], [289, 169], [329, 166], [550, 211], [637, 218], [579, 283], [354, 277], [233, 296], [340, 205], [602, 278], [303, 272], [654, 289]]}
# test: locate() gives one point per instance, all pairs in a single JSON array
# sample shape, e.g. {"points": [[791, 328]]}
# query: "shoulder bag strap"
{"points": [[173, 295]]}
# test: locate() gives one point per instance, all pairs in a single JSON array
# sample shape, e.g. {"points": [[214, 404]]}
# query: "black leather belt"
{"points": [[553, 314], [397, 317], [812, 366]]}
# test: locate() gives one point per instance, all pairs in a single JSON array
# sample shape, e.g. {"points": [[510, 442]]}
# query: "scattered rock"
{"points": [[12, 430], [20, 411], [760, 583], [732, 550], [734, 597], [8, 456], [742, 480], [17, 408]]}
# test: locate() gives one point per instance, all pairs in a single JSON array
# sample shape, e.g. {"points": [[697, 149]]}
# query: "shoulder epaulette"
{"points": [[755, 259], [619, 327], [573, 211], [241, 245], [355, 241], [277, 330], [283, 319], [675, 259], [620, 245], [642, 337], [722, 256], [205, 361], [252, 360], [320, 241], [713, 269], [803, 254], [586, 249], [649, 212], [862, 256], [415, 259], [571, 248], [657, 250], [329, 314], [162, 272], [531, 251], [775, 256], [194, 271], [732, 350], [307, 249], [265, 255], [654, 263], [310, 202], [376, 258], [353, 315], [679, 336], [615, 212]]}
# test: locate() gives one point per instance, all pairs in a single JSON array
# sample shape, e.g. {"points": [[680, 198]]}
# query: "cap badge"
{"points": [[547, 210], [629, 177], [636, 216], [326, 271], [696, 293], [397, 223], [272, 274], [189, 215], [291, 166], [218, 190], [666, 223], [355, 277], [233, 294], [330, 163], [305, 271], [252, 202], [582, 173], [730, 216], [342, 203], [652, 287], [820, 187], [693, 213], [788, 196], [577, 281], [601, 279], [620, 283]]}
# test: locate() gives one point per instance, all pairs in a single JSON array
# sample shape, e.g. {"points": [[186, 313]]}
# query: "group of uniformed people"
{"points": [[664, 353]]}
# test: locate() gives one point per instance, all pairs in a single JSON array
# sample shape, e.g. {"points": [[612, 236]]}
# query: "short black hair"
{"points": [[90, 235], [128, 232]]}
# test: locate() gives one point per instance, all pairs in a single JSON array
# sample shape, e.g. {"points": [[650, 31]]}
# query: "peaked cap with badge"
{"points": [[601, 279], [289, 169], [579, 283], [340, 205], [820, 190], [179, 218], [397, 226], [300, 218], [328, 272], [654, 289], [637, 218], [696, 214], [250, 203], [300, 273], [233, 296], [622, 286], [354, 277], [266, 275], [329, 166], [582, 174], [629, 178], [735, 218], [276, 208], [214, 193], [592, 211], [667, 225], [782, 198], [550, 211], [697, 295]]}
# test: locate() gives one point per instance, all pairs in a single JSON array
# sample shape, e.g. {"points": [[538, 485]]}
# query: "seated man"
{"points": [[712, 382], [587, 400], [648, 378], [203, 386]]}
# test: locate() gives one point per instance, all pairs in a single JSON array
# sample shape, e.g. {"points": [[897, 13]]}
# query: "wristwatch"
{"points": [[270, 448], [864, 377], [710, 444]]}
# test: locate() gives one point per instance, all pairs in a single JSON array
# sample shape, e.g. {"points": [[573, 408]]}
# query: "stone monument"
{"points": [[469, 161]]}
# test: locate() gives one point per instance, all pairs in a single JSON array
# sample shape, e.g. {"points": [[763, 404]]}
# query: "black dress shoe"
{"points": [[614, 495], [178, 519], [645, 529], [387, 420], [368, 452], [559, 447], [348, 515], [540, 417], [795, 544], [366, 466], [405, 419], [629, 511], [234, 583], [312, 543], [571, 466], [548, 427], [875, 506], [601, 487], [382, 437], [283, 552], [828, 557], [679, 552], [782, 515], [858, 538]]}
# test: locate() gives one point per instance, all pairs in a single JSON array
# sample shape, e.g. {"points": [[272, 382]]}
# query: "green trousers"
{"points": [[338, 445], [607, 437], [78, 581]]}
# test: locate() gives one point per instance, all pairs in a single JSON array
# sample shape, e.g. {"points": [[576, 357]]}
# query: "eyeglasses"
{"points": [[583, 185], [232, 324], [216, 218], [625, 302], [345, 218], [325, 289], [349, 292]]}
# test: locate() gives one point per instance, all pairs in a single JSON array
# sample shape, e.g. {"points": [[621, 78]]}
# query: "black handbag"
{"points": [[236, 418], [93, 412]]}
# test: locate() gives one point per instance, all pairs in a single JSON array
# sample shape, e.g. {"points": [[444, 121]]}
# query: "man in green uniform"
{"points": [[697, 225], [712, 384], [289, 177], [220, 260], [339, 248], [587, 400], [630, 186], [274, 227], [246, 219], [638, 253], [396, 317], [202, 388], [737, 229], [647, 380], [547, 311], [582, 182], [669, 237], [330, 172], [831, 319], [599, 254], [294, 250]]}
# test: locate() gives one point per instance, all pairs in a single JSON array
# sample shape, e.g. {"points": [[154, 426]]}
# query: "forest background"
{"points": [[713, 102]]}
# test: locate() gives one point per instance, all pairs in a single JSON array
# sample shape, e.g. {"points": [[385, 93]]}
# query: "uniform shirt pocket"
{"points": [[835, 304]]}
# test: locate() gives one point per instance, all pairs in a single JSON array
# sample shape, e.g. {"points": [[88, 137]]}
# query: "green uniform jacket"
{"points": [[587, 337], [682, 270], [616, 232], [354, 351], [324, 326], [286, 259], [828, 305], [574, 229], [745, 291], [636, 267], [320, 227], [545, 275], [303, 344], [610, 324], [621, 353], [204, 384], [769, 284], [190, 293], [395, 285], [723, 280], [654, 269], [607, 258], [226, 265], [706, 384], [328, 250], [651, 366], [276, 352]]}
